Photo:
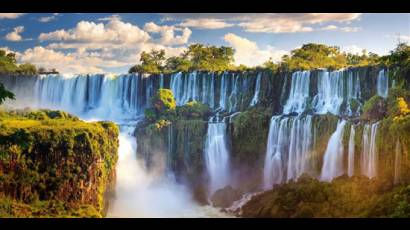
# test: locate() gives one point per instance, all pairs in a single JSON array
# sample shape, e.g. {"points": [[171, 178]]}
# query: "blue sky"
{"points": [[109, 42]]}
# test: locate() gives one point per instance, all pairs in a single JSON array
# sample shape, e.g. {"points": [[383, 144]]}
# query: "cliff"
{"points": [[54, 165]]}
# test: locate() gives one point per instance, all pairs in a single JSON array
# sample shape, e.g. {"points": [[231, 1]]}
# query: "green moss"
{"points": [[53, 156], [344, 197], [374, 109]]}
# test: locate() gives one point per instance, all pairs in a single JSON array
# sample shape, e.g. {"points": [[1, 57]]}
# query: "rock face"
{"points": [[225, 197], [52, 164]]}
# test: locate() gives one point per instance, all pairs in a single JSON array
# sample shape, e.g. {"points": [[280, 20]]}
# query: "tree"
{"points": [[177, 64], [210, 58], [4, 94], [27, 68], [151, 62], [311, 56], [163, 101]]}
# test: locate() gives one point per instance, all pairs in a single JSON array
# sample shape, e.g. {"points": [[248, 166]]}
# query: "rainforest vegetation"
{"points": [[52, 164]]}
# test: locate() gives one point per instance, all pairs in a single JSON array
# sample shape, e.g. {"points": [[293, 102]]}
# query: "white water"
{"points": [[333, 158], [140, 194], [350, 160], [382, 84], [272, 173], [255, 98], [217, 156], [299, 93], [289, 143], [369, 154]]}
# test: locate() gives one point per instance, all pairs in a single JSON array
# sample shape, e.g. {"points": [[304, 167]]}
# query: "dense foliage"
{"points": [[53, 164], [8, 64], [343, 197], [5, 94], [196, 57]]}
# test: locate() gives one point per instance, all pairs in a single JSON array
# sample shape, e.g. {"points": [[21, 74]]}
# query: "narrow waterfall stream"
{"points": [[142, 194], [369, 154], [333, 158], [217, 155]]}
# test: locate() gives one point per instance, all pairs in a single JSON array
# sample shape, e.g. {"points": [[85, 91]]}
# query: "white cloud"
{"points": [[110, 18], [15, 34], [248, 53], [206, 23], [114, 32], [66, 63], [342, 29], [10, 15], [353, 49], [49, 18], [92, 47], [350, 29], [168, 36], [270, 23], [403, 38], [330, 27]]}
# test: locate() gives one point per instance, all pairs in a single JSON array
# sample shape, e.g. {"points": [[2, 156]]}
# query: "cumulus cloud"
{"points": [[114, 32], [248, 53], [49, 18], [353, 49], [206, 23], [10, 15], [67, 63], [168, 36], [15, 34], [92, 47], [269, 23]]}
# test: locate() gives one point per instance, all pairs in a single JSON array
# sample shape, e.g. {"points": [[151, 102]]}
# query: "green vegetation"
{"points": [[343, 197], [54, 165], [8, 64], [150, 62], [196, 57], [309, 56], [5, 94], [374, 109]]}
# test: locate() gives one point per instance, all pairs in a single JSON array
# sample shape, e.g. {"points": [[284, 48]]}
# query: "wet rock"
{"points": [[225, 197]]}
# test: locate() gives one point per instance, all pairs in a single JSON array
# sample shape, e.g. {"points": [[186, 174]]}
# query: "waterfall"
{"points": [[382, 84], [330, 94], [255, 98], [299, 93], [369, 154], [350, 160], [272, 172], [333, 158], [289, 143], [217, 155], [397, 163]]}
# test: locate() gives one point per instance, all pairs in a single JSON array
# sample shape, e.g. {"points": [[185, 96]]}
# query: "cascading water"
{"points": [[338, 93], [333, 158], [217, 155], [289, 143], [138, 193], [382, 84], [368, 159], [273, 173], [350, 159], [299, 93], [255, 98]]}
